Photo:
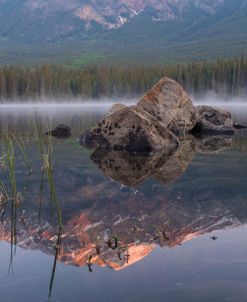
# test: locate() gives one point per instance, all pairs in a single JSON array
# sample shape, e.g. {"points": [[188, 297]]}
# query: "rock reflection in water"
{"points": [[165, 165], [213, 144], [97, 208], [130, 169]]}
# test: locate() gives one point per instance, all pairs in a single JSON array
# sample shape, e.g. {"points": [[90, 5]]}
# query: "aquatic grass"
{"points": [[38, 135], [4, 200], [12, 179], [4, 190], [53, 193], [10, 140], [42, 150], [90, 263], [8, 143], [10, 161], [21, 146], [41, 189], [57, 248], [47, 164], [46, 150]]}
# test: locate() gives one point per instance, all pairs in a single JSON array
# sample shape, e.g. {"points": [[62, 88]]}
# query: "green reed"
{"points": [[10, 158], [57, 249], [53, 193], [45, 148], [9, 153], [41, 189], [46, 151]]}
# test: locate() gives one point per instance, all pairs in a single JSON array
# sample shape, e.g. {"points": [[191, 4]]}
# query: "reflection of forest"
{"points": [[116, 225]]}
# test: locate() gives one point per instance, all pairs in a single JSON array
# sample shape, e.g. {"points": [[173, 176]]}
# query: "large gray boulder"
{"points": [[170, 105], [131, 129], [165, 111], [212, 120]]}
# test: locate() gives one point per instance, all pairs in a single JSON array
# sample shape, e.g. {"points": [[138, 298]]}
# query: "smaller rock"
{"points": [[239, 126], [61, 131], [214, 238], [212, 120]]}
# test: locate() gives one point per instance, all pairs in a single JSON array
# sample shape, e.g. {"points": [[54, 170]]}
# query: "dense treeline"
{"points": [[226, 77]]}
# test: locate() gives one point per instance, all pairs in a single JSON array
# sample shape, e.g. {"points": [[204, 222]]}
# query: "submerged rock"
{"points": [[170, 104], [61, 131], [212, 120], [130, 129]]}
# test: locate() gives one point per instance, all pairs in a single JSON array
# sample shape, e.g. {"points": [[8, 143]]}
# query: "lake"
{"points": [[133, 228]]}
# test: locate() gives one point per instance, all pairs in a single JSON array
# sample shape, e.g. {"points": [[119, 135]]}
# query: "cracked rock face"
{"points": [[168, 102], [131, 129]]}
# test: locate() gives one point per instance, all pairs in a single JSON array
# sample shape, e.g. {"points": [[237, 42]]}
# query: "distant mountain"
{"points": [[146, 23], [40, 20]]}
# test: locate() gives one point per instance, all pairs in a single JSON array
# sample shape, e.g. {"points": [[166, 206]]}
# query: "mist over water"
{"points": [[207, 98], [233, 104], [54, 112], [60, 105]]}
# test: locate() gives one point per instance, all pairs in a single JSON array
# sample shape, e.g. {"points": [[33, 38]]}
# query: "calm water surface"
{"points": [[135, 228]]}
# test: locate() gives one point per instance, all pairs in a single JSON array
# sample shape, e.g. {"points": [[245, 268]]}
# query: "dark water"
{"points": [[135, 228]]}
